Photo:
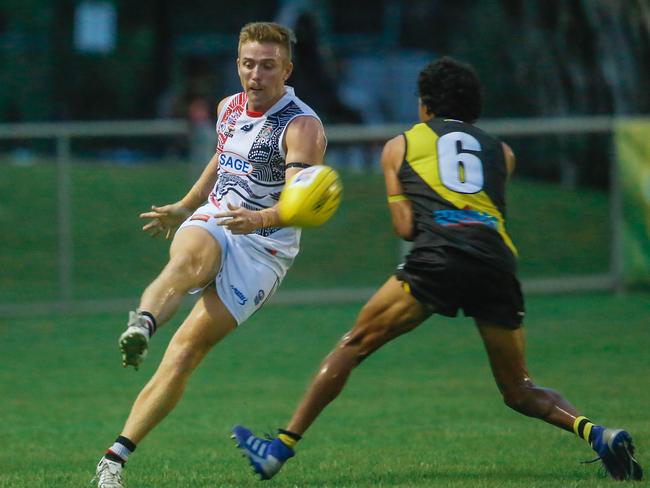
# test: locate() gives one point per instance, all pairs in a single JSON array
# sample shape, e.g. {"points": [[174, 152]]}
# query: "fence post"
{"points": [[64, 218], [616, 216]]}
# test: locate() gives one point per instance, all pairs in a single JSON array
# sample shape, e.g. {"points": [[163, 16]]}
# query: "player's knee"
{"points": [[365, 338], [515, 401], [179, 263], [521, 398], [188, 268]]}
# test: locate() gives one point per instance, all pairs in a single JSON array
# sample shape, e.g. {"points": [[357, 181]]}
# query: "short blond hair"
{"points": [[267, 32]]}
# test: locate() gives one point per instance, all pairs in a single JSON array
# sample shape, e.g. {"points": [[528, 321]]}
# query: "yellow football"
{"points": [[310, 197]]}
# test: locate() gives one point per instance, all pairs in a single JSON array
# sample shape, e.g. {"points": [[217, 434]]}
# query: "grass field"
{"points": [[423, 412], [557, 231]]}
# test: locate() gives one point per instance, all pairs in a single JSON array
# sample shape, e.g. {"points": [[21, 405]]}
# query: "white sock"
{"points": [[121, 451]]}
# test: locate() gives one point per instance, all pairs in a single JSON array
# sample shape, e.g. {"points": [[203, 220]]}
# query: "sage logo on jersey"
{"points": [[241, 298], [232, 163]]}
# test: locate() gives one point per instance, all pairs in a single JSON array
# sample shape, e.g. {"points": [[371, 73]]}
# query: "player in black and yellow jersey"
{"points": [[445, 180]]}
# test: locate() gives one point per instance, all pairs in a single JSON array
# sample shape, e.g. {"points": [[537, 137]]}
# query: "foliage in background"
{"points": [[537, 57]]}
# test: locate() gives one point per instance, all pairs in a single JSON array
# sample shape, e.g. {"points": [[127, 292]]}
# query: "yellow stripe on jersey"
{"points": [[422, 156]]}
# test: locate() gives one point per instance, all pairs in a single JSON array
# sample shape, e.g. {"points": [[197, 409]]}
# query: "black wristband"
{"points": [[297, 165]]}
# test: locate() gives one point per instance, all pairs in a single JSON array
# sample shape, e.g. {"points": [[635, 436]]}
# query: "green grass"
{"points": [[422, 412], [557, 232]]}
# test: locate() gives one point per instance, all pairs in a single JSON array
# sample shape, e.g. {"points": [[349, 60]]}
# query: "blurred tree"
{"points": [[536, 57], [117, 84], [25, 60], [561, 58], [595, 54]]}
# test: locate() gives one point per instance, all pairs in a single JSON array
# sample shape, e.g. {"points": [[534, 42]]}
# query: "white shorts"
{"points": [[245, 281]]}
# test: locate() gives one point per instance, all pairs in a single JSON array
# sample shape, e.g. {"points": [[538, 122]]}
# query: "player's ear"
{"points": [[423, 112], [288, 69]]}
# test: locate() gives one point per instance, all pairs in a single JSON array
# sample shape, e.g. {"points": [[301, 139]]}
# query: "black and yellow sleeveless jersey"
{"points": [[455, 175]]}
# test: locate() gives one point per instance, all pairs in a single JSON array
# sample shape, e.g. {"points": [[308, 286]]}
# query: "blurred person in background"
{"points": [[233, 250], [315, 75], [445, 182]]}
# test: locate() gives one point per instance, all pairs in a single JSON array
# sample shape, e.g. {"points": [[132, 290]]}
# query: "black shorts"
{"points": [[447, 279]]}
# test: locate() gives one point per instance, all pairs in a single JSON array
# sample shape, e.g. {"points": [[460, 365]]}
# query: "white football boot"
{"points": [[108, 474], [134, 341]]}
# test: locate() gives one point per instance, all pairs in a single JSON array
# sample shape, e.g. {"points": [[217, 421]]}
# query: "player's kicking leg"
{"points": [[505, 348], [208, 323], [389, 313], [194, 258]]}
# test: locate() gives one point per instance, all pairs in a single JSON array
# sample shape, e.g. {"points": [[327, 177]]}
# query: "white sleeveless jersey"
{"points": [[252, 166]]}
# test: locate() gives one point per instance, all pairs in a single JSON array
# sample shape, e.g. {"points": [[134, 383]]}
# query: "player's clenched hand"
{"points": [[240, 220], [165, 219]]}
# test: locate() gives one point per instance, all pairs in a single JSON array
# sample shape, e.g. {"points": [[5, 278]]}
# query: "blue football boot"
{"points": [[266, 456], [616, 451]]}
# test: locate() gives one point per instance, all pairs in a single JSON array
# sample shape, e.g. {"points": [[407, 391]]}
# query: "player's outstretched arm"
{"points": [[166, 219], [400, 206]]}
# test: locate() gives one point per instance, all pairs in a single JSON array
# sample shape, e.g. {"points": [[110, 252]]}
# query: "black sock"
{"points": [[126, 442], [114, 457], [154, 325]]}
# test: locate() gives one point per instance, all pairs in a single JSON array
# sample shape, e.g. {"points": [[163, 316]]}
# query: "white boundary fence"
{"points": [[63, 133]]}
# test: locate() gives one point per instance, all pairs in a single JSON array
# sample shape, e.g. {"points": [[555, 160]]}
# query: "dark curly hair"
{"points": [[451, 89]]}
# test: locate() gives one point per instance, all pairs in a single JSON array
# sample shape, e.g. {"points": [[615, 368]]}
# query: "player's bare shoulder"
{"points": [[306, 126], [393, 153], [509, 156], [307, 132]]}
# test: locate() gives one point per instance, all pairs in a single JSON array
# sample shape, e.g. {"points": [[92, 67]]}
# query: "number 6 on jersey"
{"points": [[459, 170]]}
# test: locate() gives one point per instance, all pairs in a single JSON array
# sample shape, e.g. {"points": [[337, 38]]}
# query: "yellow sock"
{"points": [[582, 427], [287, 440]]}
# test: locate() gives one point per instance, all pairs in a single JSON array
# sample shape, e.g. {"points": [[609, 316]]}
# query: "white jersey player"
{"points": [[251, 175], [234, 241]]}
